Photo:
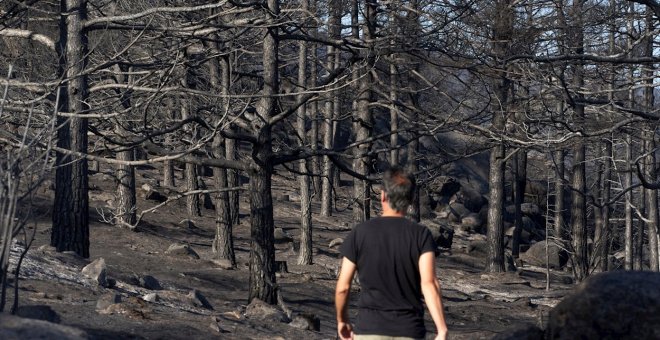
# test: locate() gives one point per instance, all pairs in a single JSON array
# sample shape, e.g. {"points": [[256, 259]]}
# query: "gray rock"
{"points": [[17, 328], [477, 247], [525, 236], [188, 223], [96, 271], [38, 312], [612, 305], [457, 210], [308, 322], [443, 236], [524, 332], [530, 209], [181, 250], [150, 194], [336, 242], [472, 222], [198, 300], [150, 282], [281, 236], [223, 263], [106, 300], [470, 199], [215, 325], [151, 297], [259, 310], [535, 255]]}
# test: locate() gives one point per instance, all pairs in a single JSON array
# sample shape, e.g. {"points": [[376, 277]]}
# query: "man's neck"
{"points": [[392, 213]]}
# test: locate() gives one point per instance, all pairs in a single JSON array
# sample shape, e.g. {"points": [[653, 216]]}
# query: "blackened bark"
{"points": [[262, 249], [363, 122], [629, 227], [71, 207], [519, 181], [223, 243], [331, 101], [502, 32], [126, 201], [305, 256], [233, 181]]}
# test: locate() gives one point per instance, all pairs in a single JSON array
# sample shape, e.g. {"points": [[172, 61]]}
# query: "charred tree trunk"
{"points": [[629, 227], [262, 249], [168, 166], [71, 206], [519, 182], [495, 231], [651, 198], [305, 256], [649, 146], [223, 243], [126, 199], [363, 122], [327, 126], [233, 181]]}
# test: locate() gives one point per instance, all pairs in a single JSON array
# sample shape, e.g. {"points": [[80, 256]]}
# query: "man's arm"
{"points": [[342, 292], [432, 294]]}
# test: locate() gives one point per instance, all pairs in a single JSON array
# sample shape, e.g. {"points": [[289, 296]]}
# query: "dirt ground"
{"points": [[478, 305]]}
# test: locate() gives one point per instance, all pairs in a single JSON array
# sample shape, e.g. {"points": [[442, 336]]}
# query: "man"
{"points": [[395, 261]]}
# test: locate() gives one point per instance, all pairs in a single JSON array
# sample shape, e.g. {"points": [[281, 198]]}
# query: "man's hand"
{"points": [[442, 335], [345, 331]]}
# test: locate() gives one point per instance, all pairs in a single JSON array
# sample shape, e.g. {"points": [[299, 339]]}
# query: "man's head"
{"points": [[398, 189]]}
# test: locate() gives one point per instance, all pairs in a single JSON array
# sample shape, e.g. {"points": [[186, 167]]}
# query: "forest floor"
{"points": [[478, 305]]}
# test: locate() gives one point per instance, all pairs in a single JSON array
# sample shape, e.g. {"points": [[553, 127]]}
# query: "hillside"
{"points": [[478, 306]]}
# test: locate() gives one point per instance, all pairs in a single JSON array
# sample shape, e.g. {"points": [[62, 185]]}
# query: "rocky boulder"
{"points": [[612, 305], [472, 222], [17, 328], [260, 310], [457, 211], [182, 250], [470, 199], [535, 255], [96, 271], [442, 235]]}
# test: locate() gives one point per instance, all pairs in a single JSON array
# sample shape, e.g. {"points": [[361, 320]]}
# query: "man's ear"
{"points": [[383, 196]]}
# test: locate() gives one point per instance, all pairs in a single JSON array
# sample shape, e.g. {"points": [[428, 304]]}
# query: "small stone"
{"points": [[188, 223], [259, 310], [281, 267], [215, 325], [47, 249], [336, 242], [106, 300], [182, 250], [150, 283], [309, 322], [14, 327], [151, 297], [39, 312], [281, 236], [223, 263], [198, 300], [96, 271]]}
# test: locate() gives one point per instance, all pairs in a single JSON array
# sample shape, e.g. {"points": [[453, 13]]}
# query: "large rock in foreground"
{"points": [[613, 305], [535, 255], [16, 328]]}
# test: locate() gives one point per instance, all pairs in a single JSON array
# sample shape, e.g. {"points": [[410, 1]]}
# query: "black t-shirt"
{"points": [[386, 251]]}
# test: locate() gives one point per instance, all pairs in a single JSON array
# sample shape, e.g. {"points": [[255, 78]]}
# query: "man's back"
{"points": [[386, 251]]}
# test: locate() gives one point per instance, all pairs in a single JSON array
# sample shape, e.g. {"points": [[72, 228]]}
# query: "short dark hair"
{"points": [[399, 186]]}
